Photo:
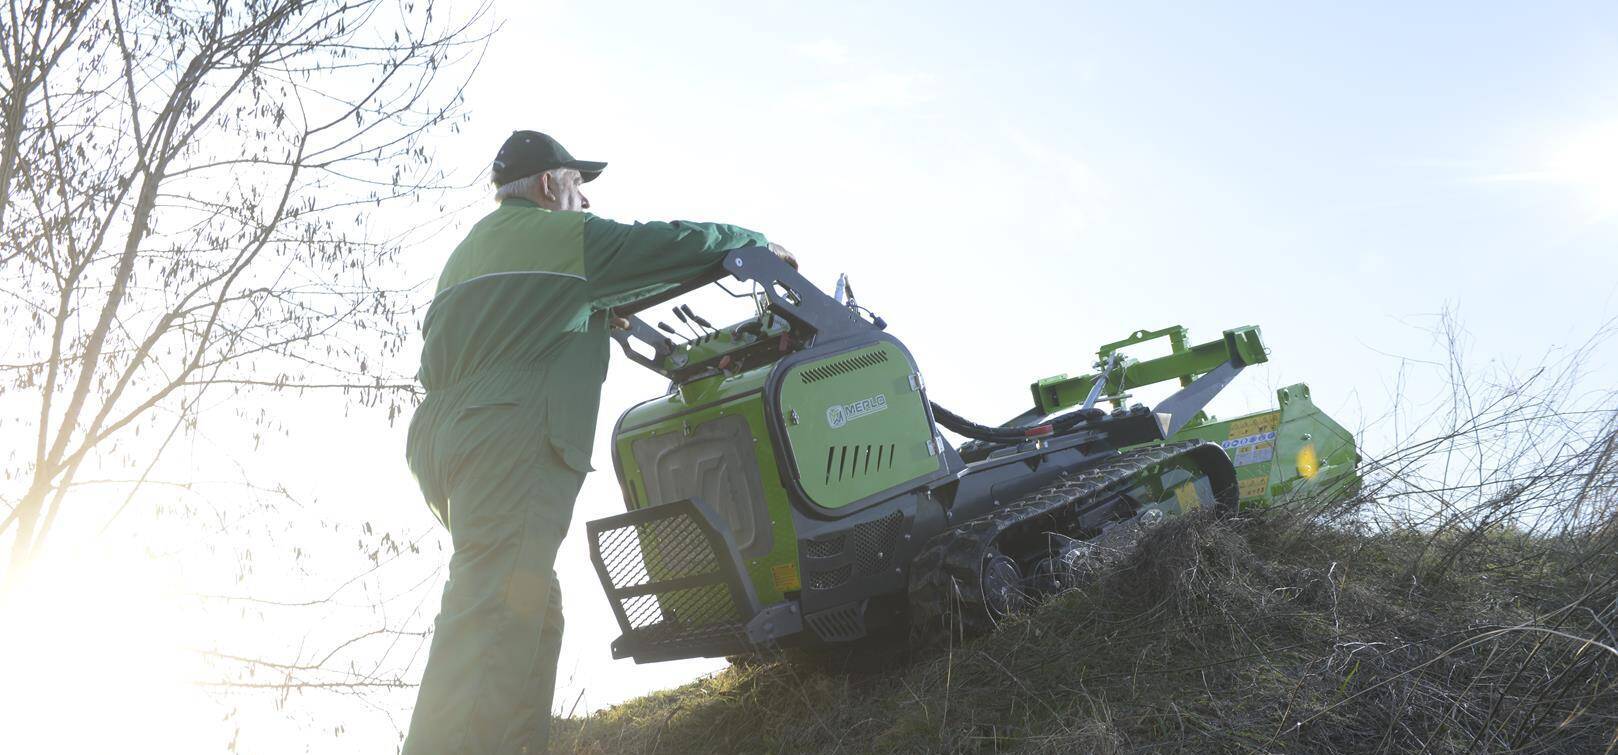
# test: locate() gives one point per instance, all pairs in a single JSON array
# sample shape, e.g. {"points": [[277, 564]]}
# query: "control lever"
{"points": [[698, 318], [845, 296], [681, 315], [663, 326]]}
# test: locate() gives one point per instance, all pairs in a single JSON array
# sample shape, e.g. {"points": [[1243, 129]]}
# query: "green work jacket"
{"points": [[519, 318]]}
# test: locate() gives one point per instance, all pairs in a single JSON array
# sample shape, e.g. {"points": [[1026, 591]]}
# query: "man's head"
{"points": [[535, 167], [555, 189]]}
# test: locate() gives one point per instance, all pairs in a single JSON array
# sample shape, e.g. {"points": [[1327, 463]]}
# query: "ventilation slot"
{"points": [[823, 547], [843, 366], [841, 624], [853, 462], [826, 580]]}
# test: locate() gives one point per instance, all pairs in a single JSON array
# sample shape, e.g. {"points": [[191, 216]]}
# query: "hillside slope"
{"points": [[1255, 634]]}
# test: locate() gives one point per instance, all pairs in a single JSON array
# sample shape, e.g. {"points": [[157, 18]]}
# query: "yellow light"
{"points": [[1308, 463]]}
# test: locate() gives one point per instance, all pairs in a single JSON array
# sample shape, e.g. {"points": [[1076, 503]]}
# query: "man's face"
{"points": [[566, 192]]}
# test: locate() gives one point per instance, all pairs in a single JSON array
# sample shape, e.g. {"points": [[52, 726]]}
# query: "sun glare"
{"points": [[1587, 160], [92, 660]]}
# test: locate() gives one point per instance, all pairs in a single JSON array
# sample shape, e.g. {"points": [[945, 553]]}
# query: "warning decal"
{"points": [[1252, 440], [1260, 449], [1263, 423], [785, 577]]}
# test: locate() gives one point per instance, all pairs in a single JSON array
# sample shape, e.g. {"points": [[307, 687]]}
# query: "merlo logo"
{"points": [[838, 415]]}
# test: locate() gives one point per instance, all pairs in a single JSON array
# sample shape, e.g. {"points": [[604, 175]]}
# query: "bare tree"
{"points": [[189, 194]]}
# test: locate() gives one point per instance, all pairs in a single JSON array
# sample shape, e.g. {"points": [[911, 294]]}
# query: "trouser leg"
{"points": [[494, 647], [536, 721], [552, 651]]}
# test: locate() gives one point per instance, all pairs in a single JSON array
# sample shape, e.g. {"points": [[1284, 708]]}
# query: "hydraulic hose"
{"points": [[1059, 426], [962, 426]]}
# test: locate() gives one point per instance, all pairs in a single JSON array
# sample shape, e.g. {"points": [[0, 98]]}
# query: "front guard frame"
{"points": [[675, 582]]}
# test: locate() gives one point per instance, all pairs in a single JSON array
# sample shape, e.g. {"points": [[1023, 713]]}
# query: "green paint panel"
{"points": [[1293, 449], [857, 424], [684, 413], [1250, 442], [1315, 455]]}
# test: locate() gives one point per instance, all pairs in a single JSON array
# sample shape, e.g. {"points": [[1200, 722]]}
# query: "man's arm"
{"points": [[623, 261]]}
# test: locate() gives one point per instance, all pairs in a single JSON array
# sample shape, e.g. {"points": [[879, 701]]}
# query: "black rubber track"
{"points": [[946, 591]]}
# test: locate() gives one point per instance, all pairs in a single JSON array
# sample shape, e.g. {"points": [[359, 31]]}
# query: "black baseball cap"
{"points": [[528, 152]]}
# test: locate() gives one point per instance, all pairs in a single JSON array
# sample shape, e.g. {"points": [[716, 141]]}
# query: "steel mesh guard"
{"points": [[823, 547], [681, 616], [830, 578], [656, 551], [876, 541], [674, 581]]}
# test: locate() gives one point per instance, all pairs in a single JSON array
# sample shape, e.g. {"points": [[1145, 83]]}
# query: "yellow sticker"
{"points": [[1258, 425], [1188, 498], [1253, 487], [785, 577]]}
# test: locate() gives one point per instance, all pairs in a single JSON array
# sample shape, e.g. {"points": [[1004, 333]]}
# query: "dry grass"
{"points": [[1465, 601], [1223, 636]]}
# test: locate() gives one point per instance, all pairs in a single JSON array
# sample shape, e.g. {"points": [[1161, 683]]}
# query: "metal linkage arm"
{"points": [[793, 296], [1239, 347]]}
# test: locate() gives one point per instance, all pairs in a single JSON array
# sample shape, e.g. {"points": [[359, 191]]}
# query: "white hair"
{"points": [[528, 187]]}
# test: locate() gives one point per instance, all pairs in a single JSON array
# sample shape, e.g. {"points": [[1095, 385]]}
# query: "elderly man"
{"points": [[516, 349]]}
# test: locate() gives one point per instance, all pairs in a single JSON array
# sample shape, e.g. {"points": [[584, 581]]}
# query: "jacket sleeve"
{"points": [[624, 262]]}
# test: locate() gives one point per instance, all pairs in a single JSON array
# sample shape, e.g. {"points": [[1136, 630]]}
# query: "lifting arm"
{"points": [[1240, 346]]}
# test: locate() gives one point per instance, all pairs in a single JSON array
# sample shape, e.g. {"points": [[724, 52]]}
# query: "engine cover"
{"points": [[856, 424]]}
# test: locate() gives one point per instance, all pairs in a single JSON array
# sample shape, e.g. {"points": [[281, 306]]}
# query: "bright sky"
{"points": [[1011, 186]]}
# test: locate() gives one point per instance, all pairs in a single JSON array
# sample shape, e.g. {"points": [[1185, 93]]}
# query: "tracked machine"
{"points": [[794, 486]]}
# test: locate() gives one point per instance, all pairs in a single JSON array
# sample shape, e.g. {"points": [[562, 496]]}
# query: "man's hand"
{"points": [[786, 256]]}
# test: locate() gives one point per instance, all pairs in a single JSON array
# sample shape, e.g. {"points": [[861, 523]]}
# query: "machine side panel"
{"points": [[1295, 447], [1315, 455], [1250, 442], [856, 424], [716, 463], [722, 449]]}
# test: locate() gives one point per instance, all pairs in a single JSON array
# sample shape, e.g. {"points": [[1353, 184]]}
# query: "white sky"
{"points": [[1010, 186]]}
